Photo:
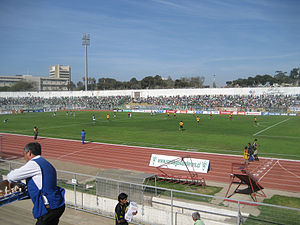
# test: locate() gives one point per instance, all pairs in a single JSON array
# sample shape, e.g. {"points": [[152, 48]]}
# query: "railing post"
{"points": [[155, 186], [1, 144], [82, 198], [171, 207], [75, 199], [238, 214]]}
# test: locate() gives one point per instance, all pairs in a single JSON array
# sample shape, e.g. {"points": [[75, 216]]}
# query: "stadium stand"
{"points": [[275, 103]]}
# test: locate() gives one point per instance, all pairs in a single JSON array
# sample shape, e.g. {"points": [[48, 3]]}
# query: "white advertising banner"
{"points": [[175, 163], [253, 113]]}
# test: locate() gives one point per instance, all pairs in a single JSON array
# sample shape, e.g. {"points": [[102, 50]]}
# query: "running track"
{"points": [[272, 173]]}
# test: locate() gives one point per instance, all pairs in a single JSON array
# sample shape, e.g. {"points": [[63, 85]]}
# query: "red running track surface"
{"points": [[277, 174]]}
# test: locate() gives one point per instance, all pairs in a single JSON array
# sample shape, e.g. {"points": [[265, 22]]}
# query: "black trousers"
{"points": [[52, 217]]}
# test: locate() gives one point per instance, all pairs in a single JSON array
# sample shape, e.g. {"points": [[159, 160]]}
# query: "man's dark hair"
{"points": [[122, 196], [34, 147]]}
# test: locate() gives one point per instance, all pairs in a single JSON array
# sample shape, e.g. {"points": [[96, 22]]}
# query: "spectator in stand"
{"points": [[199, 102]]}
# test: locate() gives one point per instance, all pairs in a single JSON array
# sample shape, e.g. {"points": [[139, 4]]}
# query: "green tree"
{"points": [[6, 88], [197, 82], [80, 86], [147, 82], [181, 83], [134, 83], [72, 86], [240, 82], [92, 83], [295, 74], [281, 77], [22, 86], [107, 84], [229, 83], [158, 81], [169, 83], [268, 79]]}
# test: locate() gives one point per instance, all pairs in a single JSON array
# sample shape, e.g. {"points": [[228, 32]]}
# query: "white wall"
{"points": [[162, 92]]}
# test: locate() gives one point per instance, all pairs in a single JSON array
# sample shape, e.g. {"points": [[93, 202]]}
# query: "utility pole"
{"points": [[86, 42]]}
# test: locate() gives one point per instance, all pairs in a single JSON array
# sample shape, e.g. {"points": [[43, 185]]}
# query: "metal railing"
{"points": [[159, 205]]}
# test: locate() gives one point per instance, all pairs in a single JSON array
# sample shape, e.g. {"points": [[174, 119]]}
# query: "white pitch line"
{"points": [[270, 127], [289, 137]]}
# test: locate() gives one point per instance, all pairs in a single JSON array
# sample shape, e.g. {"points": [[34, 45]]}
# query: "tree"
{"points": [[169, 83], [229, 83], [158, 82], [197, 82], [92, 83], [250, 82], [22, 86], [147, 82], [268, 79], [134, 83], [181, 83], [281, 77], [295, 73], [72, 86], [240, 82], [80, 85], [107, 84], [5, 88]]}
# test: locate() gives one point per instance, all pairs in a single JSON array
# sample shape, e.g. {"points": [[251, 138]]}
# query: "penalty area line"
{"points": [[271, 126]]}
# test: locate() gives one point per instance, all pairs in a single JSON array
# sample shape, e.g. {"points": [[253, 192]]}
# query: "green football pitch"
{"points": [[278, 136]]}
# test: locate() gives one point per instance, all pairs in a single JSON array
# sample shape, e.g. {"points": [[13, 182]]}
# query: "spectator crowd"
{"points": [[195, 102]]}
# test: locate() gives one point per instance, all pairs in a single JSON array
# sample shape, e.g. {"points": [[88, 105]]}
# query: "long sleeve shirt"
{"points": [[30, 169]]}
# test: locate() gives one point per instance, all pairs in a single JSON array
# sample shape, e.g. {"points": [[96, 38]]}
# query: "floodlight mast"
{"points": [[86, 42]]}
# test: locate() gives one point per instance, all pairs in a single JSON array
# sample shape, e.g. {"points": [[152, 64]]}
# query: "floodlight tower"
{"points": [[214, 82], [86, 42]]}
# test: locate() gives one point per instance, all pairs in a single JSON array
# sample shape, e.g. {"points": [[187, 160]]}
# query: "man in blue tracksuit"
{"points": [[82, 136], [47, 197]]}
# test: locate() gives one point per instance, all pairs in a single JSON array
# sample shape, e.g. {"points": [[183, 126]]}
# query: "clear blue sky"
{"points": [[137, 38]]}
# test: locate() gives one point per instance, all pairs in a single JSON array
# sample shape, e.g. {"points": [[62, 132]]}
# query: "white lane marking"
{"points": [[288, 170], [268, 170]]}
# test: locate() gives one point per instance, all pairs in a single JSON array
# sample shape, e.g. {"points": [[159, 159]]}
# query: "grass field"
{"points": [[278, 136]]}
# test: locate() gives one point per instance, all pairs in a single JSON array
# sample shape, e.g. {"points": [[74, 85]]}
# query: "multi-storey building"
{"points": [[39, 83], [59, 80], [59, 71]]}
